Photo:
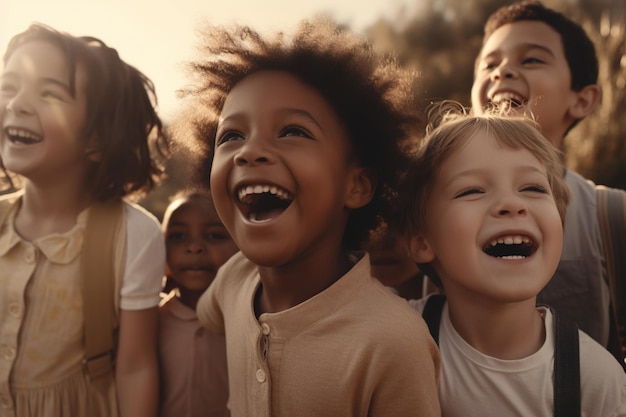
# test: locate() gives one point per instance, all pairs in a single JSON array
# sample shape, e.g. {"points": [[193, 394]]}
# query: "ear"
{"points": [[360, 188], [584, 101], [92, 153], [420, 249]]}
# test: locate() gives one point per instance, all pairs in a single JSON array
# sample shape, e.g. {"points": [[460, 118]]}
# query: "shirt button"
{"points": [[14, 310], [29, 255], [8, 352], [265, 328], [6, 402], [260, 375], [200, 332]]}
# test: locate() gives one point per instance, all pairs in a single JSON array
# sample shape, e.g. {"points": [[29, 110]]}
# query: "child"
{"points": [[484, 210], [542, 63], [392, 265], [76, 122], [194, 380], [308, 134]]}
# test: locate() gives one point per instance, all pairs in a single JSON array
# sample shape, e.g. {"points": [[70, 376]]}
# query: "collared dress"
{"points": [[41, 316]]}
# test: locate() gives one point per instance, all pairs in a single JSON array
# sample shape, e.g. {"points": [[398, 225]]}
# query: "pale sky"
{"points": [[157, 36]]}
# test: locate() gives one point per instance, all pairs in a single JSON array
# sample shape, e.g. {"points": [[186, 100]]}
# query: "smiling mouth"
{"points": [[261, 203], [22, 136], [507, 100], [511, 247]]}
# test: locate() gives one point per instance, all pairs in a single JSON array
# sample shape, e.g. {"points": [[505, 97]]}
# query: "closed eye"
{"points": [[536, 188], [51, 94], [469, 191], [295, 131], [532, 60], [6, 87]]}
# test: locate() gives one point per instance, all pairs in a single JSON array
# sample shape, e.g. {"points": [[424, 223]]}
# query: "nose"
{"points": [[19, 104], [503, 71], [254, 151], [510, 206], [195, 246]]}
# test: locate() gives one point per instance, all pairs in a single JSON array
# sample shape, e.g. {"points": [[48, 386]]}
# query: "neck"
{"points": [[505, 330], [46, 210], [189, 298], [287, 286]]}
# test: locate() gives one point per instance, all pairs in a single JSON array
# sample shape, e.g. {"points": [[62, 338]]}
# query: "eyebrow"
{"points": [[287, 111], [523, 46], [44, 80], [525, 169]]}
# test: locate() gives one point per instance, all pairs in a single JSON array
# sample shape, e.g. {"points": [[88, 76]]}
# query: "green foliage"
{"points": [[443, 37]]}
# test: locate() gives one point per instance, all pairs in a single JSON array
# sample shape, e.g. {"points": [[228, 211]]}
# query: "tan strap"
{"points": [[98, 283], [612, 218], [6, 201]]}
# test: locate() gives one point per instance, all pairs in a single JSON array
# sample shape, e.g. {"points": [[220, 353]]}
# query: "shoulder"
{"points": [[602, 379], [140, 220], [236, 270]]}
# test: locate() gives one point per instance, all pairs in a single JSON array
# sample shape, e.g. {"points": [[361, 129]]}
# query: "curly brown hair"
{"points": [[369, 92]]}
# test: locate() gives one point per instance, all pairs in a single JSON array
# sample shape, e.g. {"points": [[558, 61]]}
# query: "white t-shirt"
{"points": [[476, 385], [145, 260]]}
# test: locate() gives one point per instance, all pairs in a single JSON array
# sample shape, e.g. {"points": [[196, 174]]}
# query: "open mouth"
{"points": [[507, 100], [22, 136], [511, 247], [261, 203]]}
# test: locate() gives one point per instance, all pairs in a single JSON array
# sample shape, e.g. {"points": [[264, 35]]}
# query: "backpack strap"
{"points": [[566, 356], [566, 368], [432, 314], [6, 201], [612, 220], [97, 271]]}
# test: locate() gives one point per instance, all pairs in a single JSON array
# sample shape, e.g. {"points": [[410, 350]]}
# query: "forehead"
{"points": [[485, 152], [185, 210], [37, 57], [276, 91], [524, 34]]}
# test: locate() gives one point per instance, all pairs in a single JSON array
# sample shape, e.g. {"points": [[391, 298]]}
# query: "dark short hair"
{"points": [[121, 113], [370, 93], [579, 50]]}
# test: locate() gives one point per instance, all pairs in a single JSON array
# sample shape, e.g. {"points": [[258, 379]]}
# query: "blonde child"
{"points": [[303, 137], [485, 204], [76, 122], [194, 379]]}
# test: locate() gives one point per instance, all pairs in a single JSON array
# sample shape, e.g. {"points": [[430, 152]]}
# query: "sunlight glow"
{"points": [[157, 36]]}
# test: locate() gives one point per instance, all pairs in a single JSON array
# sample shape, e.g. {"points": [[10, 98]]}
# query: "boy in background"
{"points": [[539, 62]]}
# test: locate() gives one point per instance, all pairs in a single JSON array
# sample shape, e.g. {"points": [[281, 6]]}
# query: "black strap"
{"points": [[432, 314], [566, 356], [566, 368]]}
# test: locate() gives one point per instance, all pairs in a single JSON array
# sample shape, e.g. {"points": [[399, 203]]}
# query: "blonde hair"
{"points": [[452, 129]]}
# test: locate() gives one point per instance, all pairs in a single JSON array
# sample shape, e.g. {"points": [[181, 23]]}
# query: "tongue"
{"points": [[265, 216]]}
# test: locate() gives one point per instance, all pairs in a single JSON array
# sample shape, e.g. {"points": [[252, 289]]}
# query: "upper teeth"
{"points": [[510, 240], [258, 189], [507, 96], [22, 133]]}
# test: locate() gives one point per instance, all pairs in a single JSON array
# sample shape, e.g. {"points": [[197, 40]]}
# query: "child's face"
{"points": [[42, 124], [282, 176], [524, 63], [493, 229], [197, 244]]}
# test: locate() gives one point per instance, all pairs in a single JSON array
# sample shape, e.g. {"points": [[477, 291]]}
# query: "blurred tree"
{"points": [[441, 39]]}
